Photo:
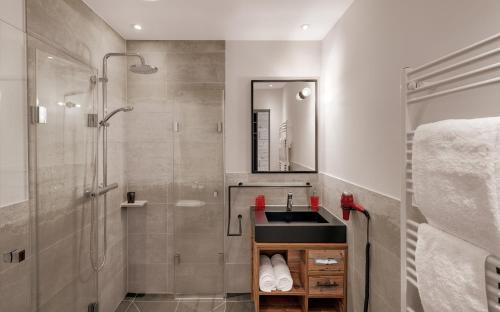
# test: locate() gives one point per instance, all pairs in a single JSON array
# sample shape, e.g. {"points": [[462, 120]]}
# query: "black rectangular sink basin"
{"points": [[295, 217], [301, 225]]}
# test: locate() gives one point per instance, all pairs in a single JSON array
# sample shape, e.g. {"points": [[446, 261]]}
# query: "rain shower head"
{"points": [[143, 69]]}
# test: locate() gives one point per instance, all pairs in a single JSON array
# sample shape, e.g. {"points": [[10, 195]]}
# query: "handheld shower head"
{"points": [[104, 121]]}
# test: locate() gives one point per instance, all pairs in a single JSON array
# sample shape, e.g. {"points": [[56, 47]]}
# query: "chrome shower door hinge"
{"points": [[39, 114], [92, 120], [219, 127]]}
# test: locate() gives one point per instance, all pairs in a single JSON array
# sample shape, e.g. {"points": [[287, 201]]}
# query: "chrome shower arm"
{"points": [[104, 77]]}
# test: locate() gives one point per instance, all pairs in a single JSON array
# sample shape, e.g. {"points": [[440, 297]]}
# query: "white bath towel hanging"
{"points": [[450, 272], [456, 178], [267, 280], [284, 281]]}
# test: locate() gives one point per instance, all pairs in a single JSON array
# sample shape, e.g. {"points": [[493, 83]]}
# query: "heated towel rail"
{"points": [[444, 76]]}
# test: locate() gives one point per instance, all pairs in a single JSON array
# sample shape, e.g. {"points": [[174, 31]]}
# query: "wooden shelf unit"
{"points": [[316, 287]]}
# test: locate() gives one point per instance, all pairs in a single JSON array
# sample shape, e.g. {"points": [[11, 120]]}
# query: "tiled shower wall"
{"points": [[164, 166], [384, 239], [66, 281]]}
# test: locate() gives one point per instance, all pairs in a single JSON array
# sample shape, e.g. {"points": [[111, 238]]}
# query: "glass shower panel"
{"points": [[198, 190], [66, 96]]}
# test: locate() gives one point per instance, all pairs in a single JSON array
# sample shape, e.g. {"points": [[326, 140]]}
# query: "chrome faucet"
{"points": [[289, 202]]}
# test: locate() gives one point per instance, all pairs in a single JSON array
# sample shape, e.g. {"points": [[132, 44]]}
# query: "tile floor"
{"points": [[166, 303]]}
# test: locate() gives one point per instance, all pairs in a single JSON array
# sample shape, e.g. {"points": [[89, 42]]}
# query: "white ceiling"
{"points": [[221, 19]]}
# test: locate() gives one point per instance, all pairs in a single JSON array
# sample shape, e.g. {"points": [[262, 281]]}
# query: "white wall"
{"points": [[13, 121], [247, 60], [361, 61]]}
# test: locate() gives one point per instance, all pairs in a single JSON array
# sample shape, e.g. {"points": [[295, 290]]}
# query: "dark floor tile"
{"points": [[201, 306], [238, 297], [156, 306], [133, 308], [240, 306]]}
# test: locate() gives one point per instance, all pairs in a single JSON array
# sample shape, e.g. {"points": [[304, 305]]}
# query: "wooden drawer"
{"points": [[331, 286], [338, 256]]}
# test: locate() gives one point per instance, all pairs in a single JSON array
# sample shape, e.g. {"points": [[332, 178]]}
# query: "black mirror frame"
{"points": [[252, 121]]}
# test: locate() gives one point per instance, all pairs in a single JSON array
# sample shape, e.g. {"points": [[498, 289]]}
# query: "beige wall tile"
{"points": [[147, 278], [147, 248], [384, 230]]}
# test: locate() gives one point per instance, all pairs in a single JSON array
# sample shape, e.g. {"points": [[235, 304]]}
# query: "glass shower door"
{"points": [[198, 190], [64, 144]]}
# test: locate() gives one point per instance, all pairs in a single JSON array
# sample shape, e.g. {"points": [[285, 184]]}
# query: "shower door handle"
{"points": [[176, 126], [219, 127]]}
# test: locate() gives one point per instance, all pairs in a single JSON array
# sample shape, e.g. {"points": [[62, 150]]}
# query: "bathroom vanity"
{"points": [[314, 246]]}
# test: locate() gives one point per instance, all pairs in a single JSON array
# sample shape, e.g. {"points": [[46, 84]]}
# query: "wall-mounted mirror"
{"points": [[284, 126]]}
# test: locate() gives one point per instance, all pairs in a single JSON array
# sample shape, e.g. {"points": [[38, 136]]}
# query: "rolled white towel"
{"points": [[267, 280], [284, 281]]}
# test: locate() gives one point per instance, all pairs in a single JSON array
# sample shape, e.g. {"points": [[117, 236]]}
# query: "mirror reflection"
{"points": [[284, 127]]}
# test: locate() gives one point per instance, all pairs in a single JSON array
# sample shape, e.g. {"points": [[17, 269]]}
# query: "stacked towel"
{"points": [[450, 272], [267, 280], [456, 176], [284, 281]]}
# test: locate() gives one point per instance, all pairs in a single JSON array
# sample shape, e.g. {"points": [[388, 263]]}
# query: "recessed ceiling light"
{"points": [[305, 26], [137, 27], [50, 57], [270, 86], [150, 0]]}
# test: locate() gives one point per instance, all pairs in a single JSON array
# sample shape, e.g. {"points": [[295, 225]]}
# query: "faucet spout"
{"points": [[289, 202]]}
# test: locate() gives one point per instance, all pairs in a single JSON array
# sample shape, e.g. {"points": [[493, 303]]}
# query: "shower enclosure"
{"points": [[175, 161], [63, 150], [198, 197], [79, 252]]}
